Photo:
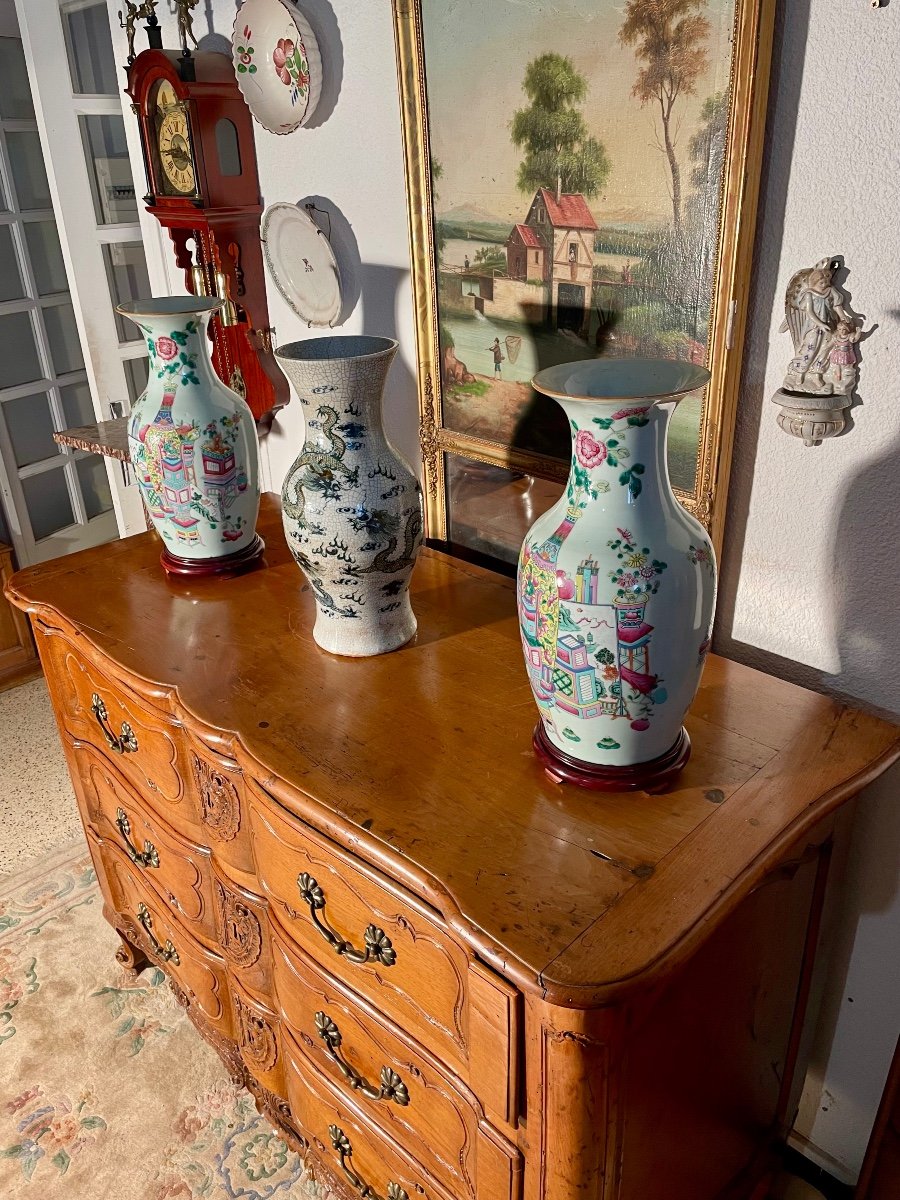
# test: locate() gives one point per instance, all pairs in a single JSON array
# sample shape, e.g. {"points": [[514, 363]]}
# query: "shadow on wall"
{"points": [[380, 286], [788, 66], [865, 582], [340, 234]]}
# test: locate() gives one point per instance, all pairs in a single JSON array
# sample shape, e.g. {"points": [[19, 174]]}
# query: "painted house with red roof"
{"points": [[555, 244]]}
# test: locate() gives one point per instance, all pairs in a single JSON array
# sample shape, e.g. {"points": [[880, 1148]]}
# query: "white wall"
{"points": [[810, 586], [811, 581]]}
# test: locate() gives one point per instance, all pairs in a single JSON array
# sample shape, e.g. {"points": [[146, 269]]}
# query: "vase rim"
{"points": [[169, 306], [339, 347], [618, 379]]}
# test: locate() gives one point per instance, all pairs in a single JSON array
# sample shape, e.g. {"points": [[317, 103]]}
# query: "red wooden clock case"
{"points": [[222, 218]]}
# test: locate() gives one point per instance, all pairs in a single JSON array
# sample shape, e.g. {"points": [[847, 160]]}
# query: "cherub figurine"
{"points": [[129, 19], [184, 9], [823, 332]]}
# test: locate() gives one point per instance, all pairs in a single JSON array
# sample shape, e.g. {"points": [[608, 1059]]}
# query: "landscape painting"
{"points": [[575, 160]]}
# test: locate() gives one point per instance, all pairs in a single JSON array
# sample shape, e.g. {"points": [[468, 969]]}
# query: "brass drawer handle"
{"points": [[148, 857], [126, 742], [392, 1086], [378, 945], [166, 953], [341, 1144]]}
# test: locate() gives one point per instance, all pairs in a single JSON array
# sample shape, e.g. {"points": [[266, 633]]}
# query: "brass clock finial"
{"points": [[184, 10], [129, 18]]}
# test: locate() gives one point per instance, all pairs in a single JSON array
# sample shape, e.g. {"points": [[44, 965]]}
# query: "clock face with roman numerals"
{"points": [[173, 142]]}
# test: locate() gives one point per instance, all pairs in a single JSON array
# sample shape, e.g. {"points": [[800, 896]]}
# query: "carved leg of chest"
{"points": [[130, 955]]}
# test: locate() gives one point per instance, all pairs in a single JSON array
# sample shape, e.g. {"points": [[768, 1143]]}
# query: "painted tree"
{"points": [[669, 37], [559, 152], [440, 238], [707, 151]]}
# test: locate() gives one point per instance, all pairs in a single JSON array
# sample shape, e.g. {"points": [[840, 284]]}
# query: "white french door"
{"points": [[55, 500], [76, 86]]}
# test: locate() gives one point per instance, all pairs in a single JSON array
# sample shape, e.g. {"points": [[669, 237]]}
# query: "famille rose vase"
{"points": [[193, 444], [352, 507], [616, 583]]}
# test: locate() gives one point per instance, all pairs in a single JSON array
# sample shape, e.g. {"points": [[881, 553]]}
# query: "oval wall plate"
{"points": [[277, 63], [301, 263]]}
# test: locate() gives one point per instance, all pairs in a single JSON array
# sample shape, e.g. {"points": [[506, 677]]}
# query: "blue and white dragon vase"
{"points": [[352, 507], [616, 582], [192, 442]]}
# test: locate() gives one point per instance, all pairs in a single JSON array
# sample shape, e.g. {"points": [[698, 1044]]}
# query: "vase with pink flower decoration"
{"points": [[193, 444], [616, 583]]}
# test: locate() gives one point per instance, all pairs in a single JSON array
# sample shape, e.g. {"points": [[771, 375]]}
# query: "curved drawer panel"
{"points": [[364, 930], [399, 1087], [142, 743], [176, 869], [144, 919], [350, 1149]]}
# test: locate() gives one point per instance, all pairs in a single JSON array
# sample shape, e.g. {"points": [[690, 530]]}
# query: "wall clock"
{"points": [[203, 187]]}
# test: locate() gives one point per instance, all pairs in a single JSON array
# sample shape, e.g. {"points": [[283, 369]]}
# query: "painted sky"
{"points": [[476, 52]]}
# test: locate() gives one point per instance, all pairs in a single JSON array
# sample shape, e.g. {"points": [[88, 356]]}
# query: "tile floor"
{"points": [[37, 804], [38, 811]]}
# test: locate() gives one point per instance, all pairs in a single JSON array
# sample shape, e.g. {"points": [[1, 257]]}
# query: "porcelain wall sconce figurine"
{"points": [[821, 376]]}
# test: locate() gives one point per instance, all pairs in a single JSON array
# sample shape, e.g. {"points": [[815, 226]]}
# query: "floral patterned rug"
{"points": [[106, 1090]]}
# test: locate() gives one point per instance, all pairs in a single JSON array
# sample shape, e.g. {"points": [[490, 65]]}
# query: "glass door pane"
{"points": [[89, 45], [94, 486], [45, 253], [78, 408], [126, 270], [62, 336], [29, 423], [15, 92], [11, 285], [19, 361], [26, 159], [109, 168], [48, 502], [136, 371]]}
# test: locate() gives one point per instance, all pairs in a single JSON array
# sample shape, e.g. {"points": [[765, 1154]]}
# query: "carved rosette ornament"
{"points": [[239, 931], [220, 805], [257, 1037]]}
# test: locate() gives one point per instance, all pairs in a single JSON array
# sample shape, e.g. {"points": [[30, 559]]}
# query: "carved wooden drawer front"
{"points": [[178, 870], [400, 1089], [219, 798], [240, 923], [145, 745], [256, 1033], [145, 920], [364, 1161], [381, 943]]}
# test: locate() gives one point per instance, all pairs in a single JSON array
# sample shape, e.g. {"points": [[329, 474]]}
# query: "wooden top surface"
{"points": [[421, 759], [109, 438]]}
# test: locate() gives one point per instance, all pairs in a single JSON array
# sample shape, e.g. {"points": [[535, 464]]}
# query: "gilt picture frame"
{"points": [[571, 195]]}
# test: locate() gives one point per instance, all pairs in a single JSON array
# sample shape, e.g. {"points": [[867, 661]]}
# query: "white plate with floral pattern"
{"points": [[302, 264], [277, 63]]}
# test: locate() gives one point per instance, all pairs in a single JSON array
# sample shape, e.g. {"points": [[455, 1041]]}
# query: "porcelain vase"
{"points": [[193, 444], [352, 507], [616, 583]]}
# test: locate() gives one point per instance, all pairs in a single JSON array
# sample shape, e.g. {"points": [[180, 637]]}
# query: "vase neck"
{"points": [[179, 349], [619, 454], [352, 386]]}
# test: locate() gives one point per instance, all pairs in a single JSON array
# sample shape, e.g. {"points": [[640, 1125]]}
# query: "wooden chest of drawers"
{"points": [[443, 976]]}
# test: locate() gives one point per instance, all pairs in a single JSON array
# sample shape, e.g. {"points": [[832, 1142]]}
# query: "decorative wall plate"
{"points": [[277, 63], [302, 264]]}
